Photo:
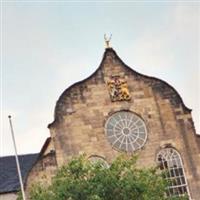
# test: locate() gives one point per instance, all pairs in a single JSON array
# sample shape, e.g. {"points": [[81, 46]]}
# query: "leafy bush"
{"points": [[83, 180]]}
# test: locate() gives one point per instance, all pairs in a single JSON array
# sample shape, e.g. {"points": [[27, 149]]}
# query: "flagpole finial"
{"points": [[107, 41], [9, 116]]}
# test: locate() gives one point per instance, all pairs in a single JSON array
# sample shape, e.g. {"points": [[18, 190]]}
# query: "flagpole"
{"points": [[17, 160]]}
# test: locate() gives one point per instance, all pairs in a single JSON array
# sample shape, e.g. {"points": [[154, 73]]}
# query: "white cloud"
{"points": [[29, 134], [45, 54], [172, 54]]}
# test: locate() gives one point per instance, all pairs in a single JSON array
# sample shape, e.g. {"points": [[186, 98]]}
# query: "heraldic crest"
{"points": [[118, 89]]}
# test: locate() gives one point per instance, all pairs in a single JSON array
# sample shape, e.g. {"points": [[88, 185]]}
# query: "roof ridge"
{"points": [[28, 154]]}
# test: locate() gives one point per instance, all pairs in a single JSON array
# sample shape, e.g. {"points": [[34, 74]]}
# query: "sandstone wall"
{"points": [[43, 170], [82, 110]]}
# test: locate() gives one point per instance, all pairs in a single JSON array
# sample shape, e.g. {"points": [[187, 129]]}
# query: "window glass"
{"points": [[170, 161], [98, 159], [126, 131]]}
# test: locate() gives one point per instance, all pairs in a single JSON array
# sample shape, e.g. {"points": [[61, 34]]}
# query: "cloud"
{"points": [[45, 54], [171, 52], [29, 135]]}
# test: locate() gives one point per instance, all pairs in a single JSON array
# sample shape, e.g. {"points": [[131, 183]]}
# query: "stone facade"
{"points": [[44, 168], [82, 110]]}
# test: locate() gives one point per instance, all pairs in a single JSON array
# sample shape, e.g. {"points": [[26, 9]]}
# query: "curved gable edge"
{"points": [[73, 85], [158, 85]]}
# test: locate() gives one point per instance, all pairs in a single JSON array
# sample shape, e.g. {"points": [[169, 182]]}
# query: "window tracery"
{"points": [[98, 159], [170, 161], [126, 131]]}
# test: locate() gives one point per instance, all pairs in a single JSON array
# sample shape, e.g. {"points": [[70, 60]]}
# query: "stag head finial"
{"points": [[107, 40]]}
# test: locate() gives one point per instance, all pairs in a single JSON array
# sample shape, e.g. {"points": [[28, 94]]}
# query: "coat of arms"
{"points": [[118, 89]]}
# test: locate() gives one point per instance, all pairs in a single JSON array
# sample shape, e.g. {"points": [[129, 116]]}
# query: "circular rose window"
{"points": [[126, 131]]}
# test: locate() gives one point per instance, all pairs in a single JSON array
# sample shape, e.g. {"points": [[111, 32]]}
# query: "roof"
{"points": [[44, 147], [9, 181]]}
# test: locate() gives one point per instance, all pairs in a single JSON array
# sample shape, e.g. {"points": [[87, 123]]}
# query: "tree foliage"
{"points": [[83, 180]]}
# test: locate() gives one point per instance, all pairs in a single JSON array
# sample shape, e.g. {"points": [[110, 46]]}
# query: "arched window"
{"points": [[99, 159], [170, 160]]}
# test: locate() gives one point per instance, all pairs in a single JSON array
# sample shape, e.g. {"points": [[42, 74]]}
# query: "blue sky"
{"points": [[47, 46]]}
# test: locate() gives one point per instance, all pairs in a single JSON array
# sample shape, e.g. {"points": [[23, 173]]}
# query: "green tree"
{"points": [[83, 180]]}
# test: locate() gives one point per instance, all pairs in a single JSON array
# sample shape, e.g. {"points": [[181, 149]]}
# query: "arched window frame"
{"points": [[97, 158], [169, 159]]}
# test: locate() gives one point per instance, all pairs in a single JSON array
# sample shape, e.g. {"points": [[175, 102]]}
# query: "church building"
{"points": [[115, 110]]}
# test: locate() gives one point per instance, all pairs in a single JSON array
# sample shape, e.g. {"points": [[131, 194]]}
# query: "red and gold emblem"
{"points": [[118, 89]]}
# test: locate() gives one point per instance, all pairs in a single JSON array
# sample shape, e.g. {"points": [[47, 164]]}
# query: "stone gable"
{"points": [[83, 109]]}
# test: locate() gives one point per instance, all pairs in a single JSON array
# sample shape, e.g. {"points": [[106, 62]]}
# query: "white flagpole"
{"points": [[16, 158]]}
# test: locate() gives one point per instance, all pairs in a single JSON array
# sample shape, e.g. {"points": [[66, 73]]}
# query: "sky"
{"points": [[48, 45]]}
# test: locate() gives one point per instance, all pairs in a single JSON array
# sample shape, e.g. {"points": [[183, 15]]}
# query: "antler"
{"points": [[105, 37], [110, 37]]}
